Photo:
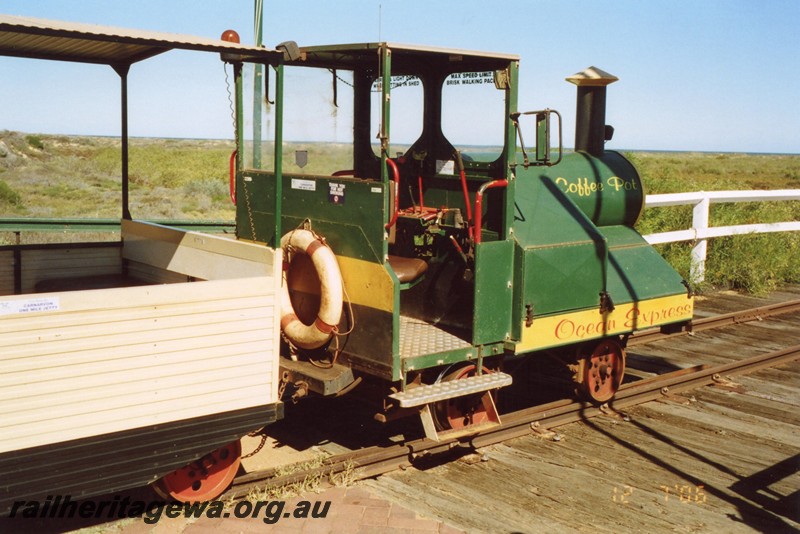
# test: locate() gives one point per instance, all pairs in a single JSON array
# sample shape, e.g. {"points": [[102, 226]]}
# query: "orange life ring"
{"points": [[331, 298]]}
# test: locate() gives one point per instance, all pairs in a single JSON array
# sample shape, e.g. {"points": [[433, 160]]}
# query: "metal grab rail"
{"points": [[700, 232], [20, 224], [479, 206], [396, 183]]}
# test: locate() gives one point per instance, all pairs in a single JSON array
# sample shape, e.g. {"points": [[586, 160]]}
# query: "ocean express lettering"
{"points": [[634, 319]]}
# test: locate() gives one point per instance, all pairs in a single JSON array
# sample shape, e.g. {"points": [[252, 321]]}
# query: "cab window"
{"points": [[473, 113], [406, 113]]}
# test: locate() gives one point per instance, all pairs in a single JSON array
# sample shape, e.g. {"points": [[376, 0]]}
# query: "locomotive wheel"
{"points": [[602, 371], [204, 479], [460, 412]]}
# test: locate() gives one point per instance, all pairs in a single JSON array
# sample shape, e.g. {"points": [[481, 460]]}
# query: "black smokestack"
{"points": [[590, 126]]}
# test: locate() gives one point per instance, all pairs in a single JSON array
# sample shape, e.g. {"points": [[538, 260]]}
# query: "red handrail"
{"points": [[396, 180], [421, 201], [232, 185], [463, 176], [479, 205]]}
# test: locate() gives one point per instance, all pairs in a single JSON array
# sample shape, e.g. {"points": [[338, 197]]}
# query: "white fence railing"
{"points": [[700, 232]]}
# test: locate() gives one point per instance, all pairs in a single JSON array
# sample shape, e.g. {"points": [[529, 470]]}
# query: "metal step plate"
{"points": [[447, 390]]}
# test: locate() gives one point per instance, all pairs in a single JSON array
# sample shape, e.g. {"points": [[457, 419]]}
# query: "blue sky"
{"points": [[707, 75]]}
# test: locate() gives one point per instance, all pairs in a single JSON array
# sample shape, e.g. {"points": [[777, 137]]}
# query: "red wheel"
{"points": [[204, 479], [460, 412], [603, 370]]}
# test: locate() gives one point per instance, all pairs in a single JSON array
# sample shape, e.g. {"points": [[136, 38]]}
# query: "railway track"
{"points": [[373, 461], [718, 321]]}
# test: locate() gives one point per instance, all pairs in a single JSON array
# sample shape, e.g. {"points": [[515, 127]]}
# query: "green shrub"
{"points": [[754, 263], [9, 197], [215, 190], [35, 141]]}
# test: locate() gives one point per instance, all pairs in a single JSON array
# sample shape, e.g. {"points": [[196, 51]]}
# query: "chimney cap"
{"points": [[592, 77]]}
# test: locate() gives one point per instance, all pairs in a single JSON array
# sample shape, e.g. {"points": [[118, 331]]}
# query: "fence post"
{"points": [[700, 216]]}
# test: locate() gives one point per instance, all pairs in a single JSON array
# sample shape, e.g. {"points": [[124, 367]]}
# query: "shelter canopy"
{"points": [[89, 43]]}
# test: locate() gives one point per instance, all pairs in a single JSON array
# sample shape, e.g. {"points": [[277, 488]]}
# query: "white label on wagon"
{"points": [[42, 304]]}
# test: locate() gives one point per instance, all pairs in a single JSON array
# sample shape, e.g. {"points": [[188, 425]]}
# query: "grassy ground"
{"points": [[754, 263], [60, 176]]}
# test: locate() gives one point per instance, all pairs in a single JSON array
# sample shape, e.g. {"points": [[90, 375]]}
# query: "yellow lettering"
{"points": [[565, 329], [618, 183], [580, 186]]}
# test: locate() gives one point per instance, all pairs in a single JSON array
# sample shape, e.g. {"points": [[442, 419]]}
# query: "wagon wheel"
{"points": [[601, 371], [204, 479], [460, 412]]}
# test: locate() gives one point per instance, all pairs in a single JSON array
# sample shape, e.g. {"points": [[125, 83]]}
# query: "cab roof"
{"points": [[403, 56]]}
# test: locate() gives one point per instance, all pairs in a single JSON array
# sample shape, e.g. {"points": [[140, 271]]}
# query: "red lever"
{"points": [[463, 176], [396, 180], [233, 176]]}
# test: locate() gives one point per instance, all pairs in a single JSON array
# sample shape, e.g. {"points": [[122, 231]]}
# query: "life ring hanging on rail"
{"points": [[330, 308]]}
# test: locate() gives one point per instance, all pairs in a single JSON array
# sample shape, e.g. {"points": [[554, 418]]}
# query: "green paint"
{"points": [[493, 292]]}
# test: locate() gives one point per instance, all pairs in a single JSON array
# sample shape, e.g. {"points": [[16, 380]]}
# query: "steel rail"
{"points": [[377, 460], [718, 321]]}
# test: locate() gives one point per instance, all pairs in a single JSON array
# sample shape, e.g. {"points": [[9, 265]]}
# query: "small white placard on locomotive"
{"points": [[304, 185], [445, 166]]}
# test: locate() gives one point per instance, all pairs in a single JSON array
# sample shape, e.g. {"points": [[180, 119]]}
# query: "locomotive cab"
{"points": [[382, 156]]}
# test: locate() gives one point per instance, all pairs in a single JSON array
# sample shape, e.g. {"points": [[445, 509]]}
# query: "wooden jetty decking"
{"points": [[722, 458]]}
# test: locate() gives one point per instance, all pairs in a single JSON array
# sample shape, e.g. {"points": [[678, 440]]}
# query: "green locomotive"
{"points": [[457, 245], [393, 228]]}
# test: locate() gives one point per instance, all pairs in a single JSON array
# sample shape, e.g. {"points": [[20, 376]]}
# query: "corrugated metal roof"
{"points": [[90, 43]]}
